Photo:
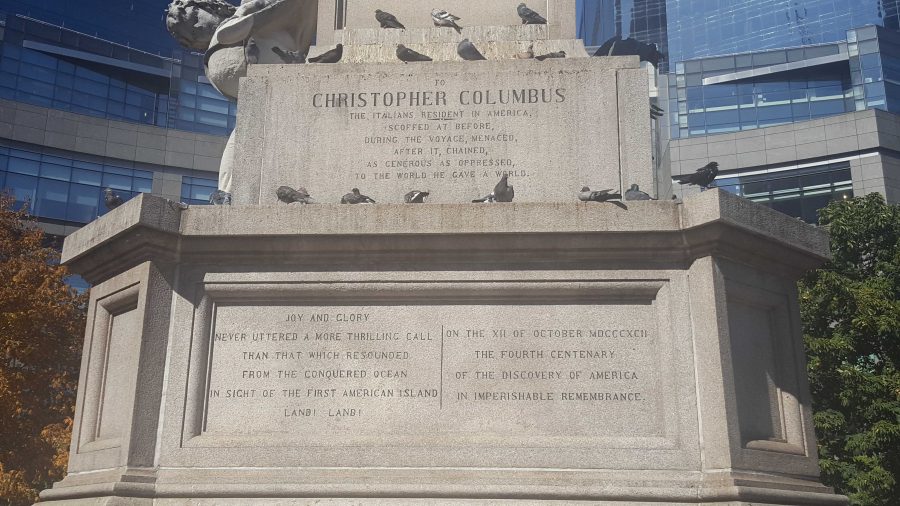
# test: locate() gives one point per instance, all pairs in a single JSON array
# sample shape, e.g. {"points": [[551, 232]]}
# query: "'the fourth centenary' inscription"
{"points": [[459, 367]]}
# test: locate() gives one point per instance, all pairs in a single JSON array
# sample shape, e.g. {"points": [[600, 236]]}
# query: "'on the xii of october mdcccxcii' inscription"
{"points": [[372, 368]]}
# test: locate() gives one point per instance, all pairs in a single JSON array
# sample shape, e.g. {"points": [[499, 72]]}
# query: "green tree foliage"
{"points": [[41, 328], [851, 318]]}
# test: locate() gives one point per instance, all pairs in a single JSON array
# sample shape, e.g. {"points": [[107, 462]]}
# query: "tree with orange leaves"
{"points": [[41, 328]]}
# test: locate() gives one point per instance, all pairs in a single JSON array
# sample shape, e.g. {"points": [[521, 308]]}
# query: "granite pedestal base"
{"points": [[444, 354]]}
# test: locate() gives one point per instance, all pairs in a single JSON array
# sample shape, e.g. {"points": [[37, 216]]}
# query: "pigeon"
{"points": [[330, 56], [587, 195], [635, 193], [388, 20], [415, 197], [289, 195], [617, 46], [354, 197], [527, 54], [503, 192], [112, 200], [529, 17], [289, 56], [220, 198], [557, 54], [702, 178], [656, 111], [407, 55], [177, 206], [251, 52], [444, 18], [467, 51]]}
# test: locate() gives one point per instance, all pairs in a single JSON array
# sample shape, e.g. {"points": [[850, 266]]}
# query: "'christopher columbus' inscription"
{"points": [[370, 368], [454, 131]]}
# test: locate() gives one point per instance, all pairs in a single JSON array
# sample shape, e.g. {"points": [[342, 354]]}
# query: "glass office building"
{"points": [[698, 28], [644, 20], [767, 88]]}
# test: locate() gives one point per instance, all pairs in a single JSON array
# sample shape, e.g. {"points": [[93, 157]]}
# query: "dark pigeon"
{"points": [[388, 20], [289, 195], [635, 193], [467, 51], [415, 197], [503, 192], [354, 197], [444, 18], [111, 200], [220, 198], [617, 46], [529, 17], [330, 56], [407, 55], [557, 54], [289, 56], [587, 195], [703, 177]]}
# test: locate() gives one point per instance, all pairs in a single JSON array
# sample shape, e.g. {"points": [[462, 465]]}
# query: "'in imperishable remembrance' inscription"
{"points": [[371, 369]]}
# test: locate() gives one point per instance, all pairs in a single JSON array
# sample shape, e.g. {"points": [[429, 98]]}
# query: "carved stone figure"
{"points": [[224, 32]]}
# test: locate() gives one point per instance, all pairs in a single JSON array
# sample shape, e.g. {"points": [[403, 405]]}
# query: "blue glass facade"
{"points": [[644, 20], [796, 192], [699, 28], [197, 190], [51, 67], [767, 88], [67, 190]]}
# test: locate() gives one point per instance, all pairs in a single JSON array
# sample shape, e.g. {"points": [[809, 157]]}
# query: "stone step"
{"points": [[500, 50], [476, 34]]}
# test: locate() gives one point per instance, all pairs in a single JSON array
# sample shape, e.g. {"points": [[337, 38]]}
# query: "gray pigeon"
{"points": [[467, 51], [586, 195], [635, 193], [251, 52], [556, 54], [444, 18], [289, 195], [220, 198], [407, 55], [289, 56], [388, 20], [703, 177], [529, 17], [354, 197], [330, 56], [111, 200], [415, 197], [503, 192]]}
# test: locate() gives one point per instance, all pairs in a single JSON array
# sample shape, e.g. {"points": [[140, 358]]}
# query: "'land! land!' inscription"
{"points": [[551, 127], [370, 369]]}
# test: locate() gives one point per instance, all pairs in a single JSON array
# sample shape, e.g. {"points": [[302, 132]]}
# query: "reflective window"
{"points": [[197, 190], [800, 192]]}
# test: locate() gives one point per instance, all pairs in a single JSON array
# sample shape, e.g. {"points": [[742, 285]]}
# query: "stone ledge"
{"points": [[476, 34]]}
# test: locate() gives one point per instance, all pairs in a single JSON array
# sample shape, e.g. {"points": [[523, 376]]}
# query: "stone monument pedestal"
{"points": [[444, 353]]}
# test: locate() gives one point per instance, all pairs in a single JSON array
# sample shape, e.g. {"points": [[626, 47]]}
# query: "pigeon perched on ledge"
{"points": [[407, 55], [556, 54], [703, 177], [527, 54], [388, 20], [588, 195], [112, 200], [330, 56], [289, 195], [635, 193], [467, 51], [354, 197], [415, 197], [289, 56], [503, 192], [220, 198], [444, 18], [529, 17]]}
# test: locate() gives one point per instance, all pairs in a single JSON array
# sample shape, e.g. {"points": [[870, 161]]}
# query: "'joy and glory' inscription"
{"points": [[309, 368]]}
